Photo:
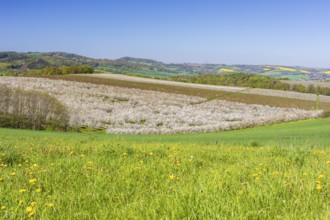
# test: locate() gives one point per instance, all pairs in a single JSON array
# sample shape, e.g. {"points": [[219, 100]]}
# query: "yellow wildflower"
{"points": [[171, 177], [13, 173], [22, 190], [32, 181], [38, 190], [29, 209], [3, 207], [318, 186], [33, 204], [50, 205], [321, 176]]}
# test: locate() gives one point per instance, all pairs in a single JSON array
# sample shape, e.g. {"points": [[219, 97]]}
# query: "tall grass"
{"points": [[54, 177]]}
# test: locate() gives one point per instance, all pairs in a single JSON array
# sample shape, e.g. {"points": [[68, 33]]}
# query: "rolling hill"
{"points": [[18, 63]]}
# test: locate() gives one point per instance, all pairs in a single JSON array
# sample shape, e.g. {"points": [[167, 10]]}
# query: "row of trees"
{"points": [[63, 70], [31, 109], [236, 79], [251, 81]]}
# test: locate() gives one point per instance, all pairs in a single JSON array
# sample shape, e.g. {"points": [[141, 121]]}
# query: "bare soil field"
{"points": [[267, 92]]}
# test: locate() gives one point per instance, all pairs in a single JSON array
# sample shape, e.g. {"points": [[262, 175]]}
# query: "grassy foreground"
{"points": [[261, 173]]}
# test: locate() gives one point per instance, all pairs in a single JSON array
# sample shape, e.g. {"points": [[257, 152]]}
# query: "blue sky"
{"points": [[280, 32]]}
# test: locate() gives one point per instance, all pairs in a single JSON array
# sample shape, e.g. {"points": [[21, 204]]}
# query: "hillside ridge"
{"points": [[20, 62]]}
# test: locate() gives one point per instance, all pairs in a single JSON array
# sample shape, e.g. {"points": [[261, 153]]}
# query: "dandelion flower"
{"points": [[33, 204], [3, 207], [171, 177], [13, 173], [22, 190], [32, 181], [38, 190], [29, 209], [50, 205], [321, 176], [318, 186]]}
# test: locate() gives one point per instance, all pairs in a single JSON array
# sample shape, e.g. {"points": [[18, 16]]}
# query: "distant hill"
{"points": [[18, 63]]}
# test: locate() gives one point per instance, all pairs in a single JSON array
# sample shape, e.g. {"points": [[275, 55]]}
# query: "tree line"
{"points": [[251, 81], [63, 70], [31, 110]]}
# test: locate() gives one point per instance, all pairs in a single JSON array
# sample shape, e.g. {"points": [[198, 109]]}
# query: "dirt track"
{"points": [[267, 92]]}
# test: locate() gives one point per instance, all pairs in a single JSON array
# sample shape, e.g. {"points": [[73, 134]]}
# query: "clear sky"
{"points": [[280, 32]]}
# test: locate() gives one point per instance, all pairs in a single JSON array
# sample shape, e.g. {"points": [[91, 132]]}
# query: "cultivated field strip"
{"points": [[133, 111], [166, 82], [267, 92]]}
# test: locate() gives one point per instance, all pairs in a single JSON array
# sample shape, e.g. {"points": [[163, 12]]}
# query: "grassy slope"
{"points": [[309, 132], [48, 175]]}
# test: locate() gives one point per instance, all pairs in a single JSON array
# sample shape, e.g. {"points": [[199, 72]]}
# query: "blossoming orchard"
{"points": [[133, 111]]}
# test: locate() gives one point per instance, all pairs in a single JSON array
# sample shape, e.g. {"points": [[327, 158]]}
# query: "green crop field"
{"points": [[278, 171]]}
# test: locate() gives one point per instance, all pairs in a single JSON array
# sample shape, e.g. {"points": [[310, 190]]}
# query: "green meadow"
{"points": [[271, 172]]}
